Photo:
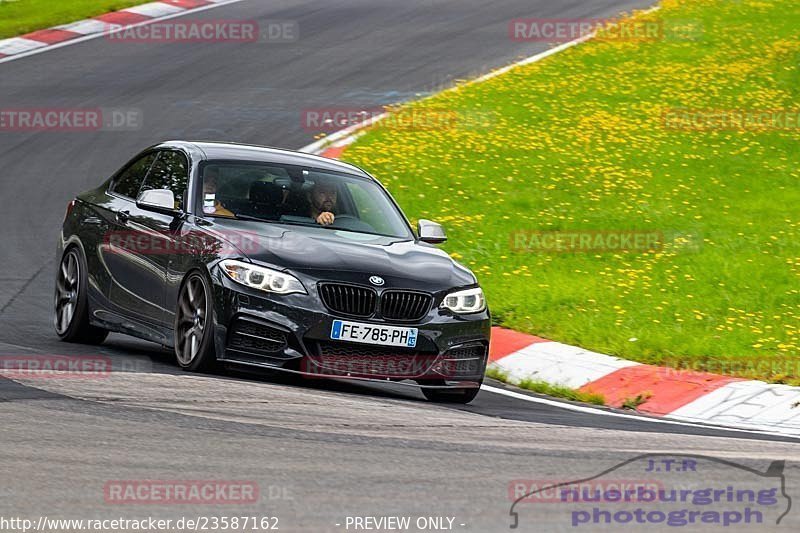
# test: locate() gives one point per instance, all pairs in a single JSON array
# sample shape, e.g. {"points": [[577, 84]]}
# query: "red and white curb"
{"points": [[687, 396], [676, 394], [82, 30]]}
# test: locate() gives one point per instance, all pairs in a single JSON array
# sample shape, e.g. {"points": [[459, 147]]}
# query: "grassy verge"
{"points": [[542, 387], [24, 16], [579, 143]]}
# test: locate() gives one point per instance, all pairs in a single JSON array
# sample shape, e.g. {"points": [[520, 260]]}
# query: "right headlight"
{"points": [[466, 301], [262, 278]]}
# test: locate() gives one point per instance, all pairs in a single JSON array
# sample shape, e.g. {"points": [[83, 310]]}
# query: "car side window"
{"points": [[130, 180], [170, 171]]}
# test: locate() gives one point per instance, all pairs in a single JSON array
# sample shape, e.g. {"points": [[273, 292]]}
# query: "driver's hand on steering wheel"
{"points": [[325, 218]]}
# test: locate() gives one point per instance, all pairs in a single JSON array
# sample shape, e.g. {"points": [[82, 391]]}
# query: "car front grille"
{"points": [[349, 299], [354, 348], [253, 337], [405, 305], [362, 302], [346, 358]]}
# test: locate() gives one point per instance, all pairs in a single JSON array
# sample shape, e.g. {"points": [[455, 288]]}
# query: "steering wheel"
{"points": [[352, 223]]}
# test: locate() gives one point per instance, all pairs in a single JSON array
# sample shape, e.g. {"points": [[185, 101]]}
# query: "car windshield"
{"points": [[290, 194]]}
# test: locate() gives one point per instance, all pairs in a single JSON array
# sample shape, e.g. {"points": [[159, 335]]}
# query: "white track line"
{"points": [[102, 34], [603, 412]]}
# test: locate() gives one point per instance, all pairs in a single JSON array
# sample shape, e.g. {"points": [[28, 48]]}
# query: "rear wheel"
{"points": [[71, 313], [455, 395], [194, 325]]}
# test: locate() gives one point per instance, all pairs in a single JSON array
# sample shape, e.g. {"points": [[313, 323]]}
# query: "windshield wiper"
{"points": [[254, 219]]}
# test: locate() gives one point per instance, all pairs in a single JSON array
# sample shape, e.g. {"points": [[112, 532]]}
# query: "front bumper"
{"points": [[292, 333]]}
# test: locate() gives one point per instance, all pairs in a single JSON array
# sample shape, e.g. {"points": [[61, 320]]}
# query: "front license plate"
{"points": [[374, 334]]}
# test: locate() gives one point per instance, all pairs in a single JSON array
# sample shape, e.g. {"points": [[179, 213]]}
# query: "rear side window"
{"points": [[170, 171], [130, 180]]}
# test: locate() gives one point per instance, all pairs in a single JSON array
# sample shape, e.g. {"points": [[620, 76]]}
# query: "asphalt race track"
{"points": [[319, 451]]}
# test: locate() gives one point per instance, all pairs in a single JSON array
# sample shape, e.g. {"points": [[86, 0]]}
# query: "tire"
{"points": [[71, 307], [194, 325], [460, 395]]}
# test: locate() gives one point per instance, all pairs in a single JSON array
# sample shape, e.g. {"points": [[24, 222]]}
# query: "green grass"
{"points": [[542, 387], [495, 373], [560, 391], [24, 16], [576, 142], [634, 402]]}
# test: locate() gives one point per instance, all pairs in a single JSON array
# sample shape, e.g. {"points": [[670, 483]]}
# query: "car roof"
{"points": [[251, 152]]}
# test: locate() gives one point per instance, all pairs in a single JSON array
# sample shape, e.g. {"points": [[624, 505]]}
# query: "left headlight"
{"points": [[262, 278], [466, 301]]}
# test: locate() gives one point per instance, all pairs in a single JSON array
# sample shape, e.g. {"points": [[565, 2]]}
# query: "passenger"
{"points": [[212, 206]]}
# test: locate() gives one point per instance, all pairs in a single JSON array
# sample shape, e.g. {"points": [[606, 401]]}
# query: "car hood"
{"points": [[343, 255]]}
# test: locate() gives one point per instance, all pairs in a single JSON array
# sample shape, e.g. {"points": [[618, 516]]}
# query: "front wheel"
{"points": [[71, 313], [194, 325], [455, 395]]}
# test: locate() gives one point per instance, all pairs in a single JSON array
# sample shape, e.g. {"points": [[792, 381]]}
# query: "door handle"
{"points": [[123, 216]]}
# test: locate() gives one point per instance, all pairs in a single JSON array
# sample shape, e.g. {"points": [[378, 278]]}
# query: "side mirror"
{"points": [[158, 200], [431, 232]]}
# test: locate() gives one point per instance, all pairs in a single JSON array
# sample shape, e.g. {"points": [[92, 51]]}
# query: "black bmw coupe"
{"points": [[245, 255]]}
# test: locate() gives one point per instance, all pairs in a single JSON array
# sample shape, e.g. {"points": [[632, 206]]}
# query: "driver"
{"points": [[212, 206], [323, 202]]}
